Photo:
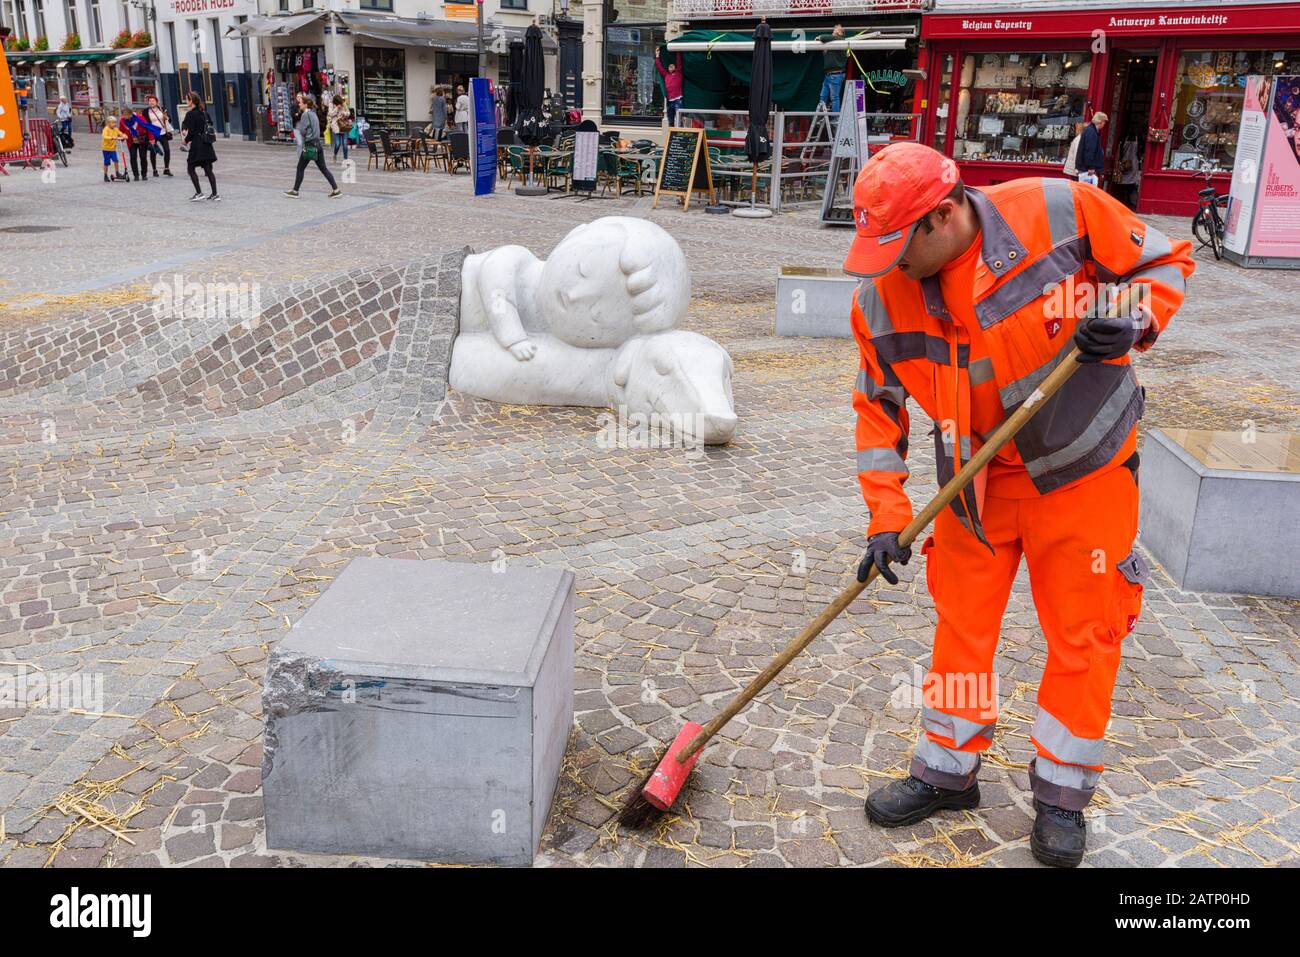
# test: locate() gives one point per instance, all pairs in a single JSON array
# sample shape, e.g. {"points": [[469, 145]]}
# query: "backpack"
{"points": [[209, 134]]}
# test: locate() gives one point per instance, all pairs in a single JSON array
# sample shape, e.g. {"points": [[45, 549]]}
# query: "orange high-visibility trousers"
{"points": [[1086, 582]]}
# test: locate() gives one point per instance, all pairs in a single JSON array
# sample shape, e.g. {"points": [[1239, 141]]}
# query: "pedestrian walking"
{"points": [[462, 109], [199, 135], [160, 118], [136, 140], [1092, 151], [311, 147], [340, 123], [1071, 166], [944, 317]]}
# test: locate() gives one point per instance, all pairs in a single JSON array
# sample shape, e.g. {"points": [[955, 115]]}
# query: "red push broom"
{"points": [[657, 792]]}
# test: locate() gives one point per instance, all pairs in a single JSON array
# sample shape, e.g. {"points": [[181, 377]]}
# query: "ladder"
{"points": [[820, 134], [847, 156]]}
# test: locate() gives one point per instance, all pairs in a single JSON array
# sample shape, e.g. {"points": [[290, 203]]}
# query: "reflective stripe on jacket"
{"points": [[1032, 285]]}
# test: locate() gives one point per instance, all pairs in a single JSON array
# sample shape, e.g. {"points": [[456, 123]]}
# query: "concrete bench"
{"points": [[421, 709], [1220, 509], [813, 301]]}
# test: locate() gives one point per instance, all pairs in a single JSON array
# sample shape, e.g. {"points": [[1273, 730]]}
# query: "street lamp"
{"points": [[482, 55], [150, 10]]}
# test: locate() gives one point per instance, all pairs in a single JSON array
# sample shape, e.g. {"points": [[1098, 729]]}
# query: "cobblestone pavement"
{"points": [[175, 493]]}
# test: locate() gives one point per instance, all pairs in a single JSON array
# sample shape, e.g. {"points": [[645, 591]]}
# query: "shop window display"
{"points": [[1016, 107], [631, 81], [1208, 94], [941, 110], [634, 30], [382, 72]]}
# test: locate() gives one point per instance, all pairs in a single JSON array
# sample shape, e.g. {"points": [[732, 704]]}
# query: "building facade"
{"points": [[1009, 83], [100, 54], [386, 56], [198, 53]]}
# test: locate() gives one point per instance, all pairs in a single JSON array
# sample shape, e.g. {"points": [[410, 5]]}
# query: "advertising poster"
{"points": [[1276, 231], [1246, 165], [1263, 221], [483, 122]]}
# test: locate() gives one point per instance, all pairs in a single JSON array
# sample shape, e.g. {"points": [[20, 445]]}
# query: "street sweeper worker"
{"points": [[970, 297]]}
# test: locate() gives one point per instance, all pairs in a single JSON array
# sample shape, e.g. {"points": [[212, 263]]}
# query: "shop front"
{"points": [[717, 68], [634, 31], [1008, 90], [384, 66]]}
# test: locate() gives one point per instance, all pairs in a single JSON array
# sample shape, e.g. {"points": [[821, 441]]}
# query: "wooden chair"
{"points": [[419, 151], [373, 149], [437, 153]]}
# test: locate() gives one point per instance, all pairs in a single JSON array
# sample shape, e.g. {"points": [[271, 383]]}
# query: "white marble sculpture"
{"points": [[593, 325]]}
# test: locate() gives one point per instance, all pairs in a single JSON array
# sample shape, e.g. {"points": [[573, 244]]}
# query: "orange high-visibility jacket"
{"points": [[1045, 245]]}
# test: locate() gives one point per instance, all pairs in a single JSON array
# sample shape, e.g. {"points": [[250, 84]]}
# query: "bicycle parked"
{"points": [[1207, 224]]}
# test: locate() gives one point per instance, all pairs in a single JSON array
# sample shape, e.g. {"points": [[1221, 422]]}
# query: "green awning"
{"points": [[61, 56], [796, 77]]}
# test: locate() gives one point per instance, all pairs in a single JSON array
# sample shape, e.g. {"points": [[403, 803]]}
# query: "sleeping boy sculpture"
{"points": [[593, 325]]}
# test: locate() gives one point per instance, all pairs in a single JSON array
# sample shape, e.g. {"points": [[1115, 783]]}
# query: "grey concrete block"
{"points": [[1220, 529], [421, 709], [813, 301]]}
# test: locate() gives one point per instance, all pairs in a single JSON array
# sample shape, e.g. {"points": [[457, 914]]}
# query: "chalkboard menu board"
{"points": [[685, 166]]}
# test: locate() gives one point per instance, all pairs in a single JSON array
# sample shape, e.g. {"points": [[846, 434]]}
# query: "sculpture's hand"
{"points": [[524, 350]]}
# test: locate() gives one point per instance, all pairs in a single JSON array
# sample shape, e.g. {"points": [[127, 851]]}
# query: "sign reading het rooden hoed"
{"points": [[1177, 18], [177, 8]]}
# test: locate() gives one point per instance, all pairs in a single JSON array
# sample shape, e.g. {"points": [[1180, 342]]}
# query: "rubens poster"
{"points": [[1264, 214]]}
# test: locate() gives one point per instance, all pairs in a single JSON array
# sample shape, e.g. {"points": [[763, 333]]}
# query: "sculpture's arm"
{"points": [[498, 298]]}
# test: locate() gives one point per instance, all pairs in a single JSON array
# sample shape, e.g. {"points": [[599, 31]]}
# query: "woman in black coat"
{"points": [[202, 154]]}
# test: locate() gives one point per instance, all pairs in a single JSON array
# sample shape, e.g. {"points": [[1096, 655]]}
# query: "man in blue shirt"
{"points": [[1092, 154]]}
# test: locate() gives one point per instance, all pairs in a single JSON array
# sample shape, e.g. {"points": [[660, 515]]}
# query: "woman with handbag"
{"points": [[157, 116], [311, 146], [199, 135], [340, 123]]}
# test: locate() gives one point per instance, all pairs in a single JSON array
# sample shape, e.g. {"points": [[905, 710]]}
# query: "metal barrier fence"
{"points": [[803, 140]]}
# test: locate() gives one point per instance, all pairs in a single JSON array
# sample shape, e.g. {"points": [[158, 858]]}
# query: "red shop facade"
{"points": [[1005, 91]]}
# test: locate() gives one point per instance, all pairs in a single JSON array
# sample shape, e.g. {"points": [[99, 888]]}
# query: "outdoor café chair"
{"points": [[459, 156], [373, 149], [516, 164], [393, 158]]}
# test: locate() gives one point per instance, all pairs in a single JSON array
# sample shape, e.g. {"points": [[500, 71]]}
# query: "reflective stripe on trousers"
{"points": [[1085, 611]]}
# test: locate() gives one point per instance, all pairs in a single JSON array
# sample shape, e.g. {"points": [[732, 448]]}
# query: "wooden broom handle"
{"points": [[1003, 434]]}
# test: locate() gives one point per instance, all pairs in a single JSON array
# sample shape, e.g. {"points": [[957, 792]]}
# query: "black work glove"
{"points": [[1101, 338], [883, 548]]}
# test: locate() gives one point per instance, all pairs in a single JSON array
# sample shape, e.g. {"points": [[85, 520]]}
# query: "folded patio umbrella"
{"points": [[534, 82], [757, 145]]}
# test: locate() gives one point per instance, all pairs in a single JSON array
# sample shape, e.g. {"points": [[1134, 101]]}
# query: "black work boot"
{"points": [[1059, 837], [910, 799]]}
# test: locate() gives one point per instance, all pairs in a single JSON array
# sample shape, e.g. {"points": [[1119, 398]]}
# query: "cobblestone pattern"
{"points": [[692, 571], [127, 600]]}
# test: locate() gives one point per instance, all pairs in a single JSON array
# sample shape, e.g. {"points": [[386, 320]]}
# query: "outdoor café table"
{"points": [[640, 158], [543, 156]]}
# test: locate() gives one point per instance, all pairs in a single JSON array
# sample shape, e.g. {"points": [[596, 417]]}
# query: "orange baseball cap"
{"points": [[893, 191]]}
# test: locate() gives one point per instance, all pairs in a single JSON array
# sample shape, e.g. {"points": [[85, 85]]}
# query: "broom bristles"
{"points": [[637, 813]]}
